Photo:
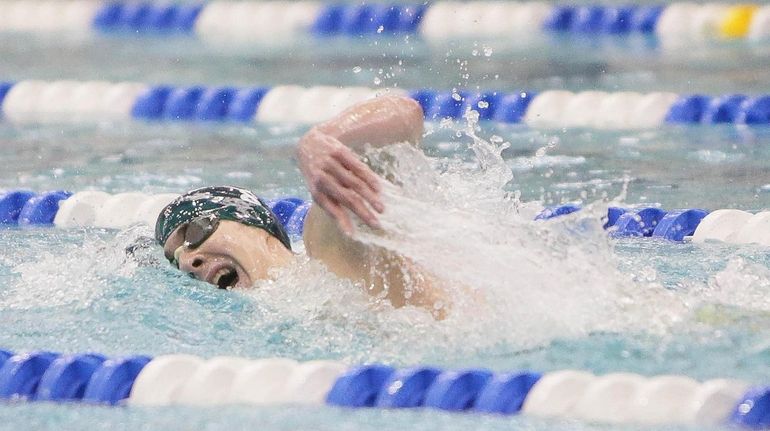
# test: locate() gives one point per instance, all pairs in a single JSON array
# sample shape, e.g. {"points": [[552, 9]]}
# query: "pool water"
{"points": [[557, 294], [610, 64]]}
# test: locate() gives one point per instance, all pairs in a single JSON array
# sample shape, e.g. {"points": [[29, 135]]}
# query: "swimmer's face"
{"points": [[235, 255]]}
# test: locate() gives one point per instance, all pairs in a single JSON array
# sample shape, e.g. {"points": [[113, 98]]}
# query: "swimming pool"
{"points": [[696, 310]]}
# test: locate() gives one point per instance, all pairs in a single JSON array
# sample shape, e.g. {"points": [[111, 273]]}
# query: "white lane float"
{"points": [[547, 108]]}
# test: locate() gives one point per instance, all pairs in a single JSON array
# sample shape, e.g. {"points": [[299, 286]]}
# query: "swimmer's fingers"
{"points": [[352, 182], [337, 212], [352, 163], [347, 198]]}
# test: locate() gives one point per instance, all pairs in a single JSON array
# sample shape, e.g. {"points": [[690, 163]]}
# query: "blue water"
{"points": [[698, 310]]}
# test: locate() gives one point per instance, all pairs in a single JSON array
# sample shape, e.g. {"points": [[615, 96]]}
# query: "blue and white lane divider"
{"points": [[94, 101], [190, 380], [113, 211], [675, 225], [697, 225], [273, 22], [103, 210]]}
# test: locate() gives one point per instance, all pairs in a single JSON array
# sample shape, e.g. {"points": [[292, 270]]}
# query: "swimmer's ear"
{"points": [[142, 251]]}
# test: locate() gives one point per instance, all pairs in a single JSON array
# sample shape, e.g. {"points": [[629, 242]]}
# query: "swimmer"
{"points": [[228, 237]]}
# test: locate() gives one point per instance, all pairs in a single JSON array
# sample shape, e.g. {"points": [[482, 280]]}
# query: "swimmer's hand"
{"points": [[329, 155], [338, 180]]}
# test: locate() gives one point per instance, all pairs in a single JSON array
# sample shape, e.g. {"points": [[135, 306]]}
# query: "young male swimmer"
{"points": [[228, 237]]}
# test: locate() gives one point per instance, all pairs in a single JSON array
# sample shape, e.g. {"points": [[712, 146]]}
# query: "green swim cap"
{"points": [[224, 203]]}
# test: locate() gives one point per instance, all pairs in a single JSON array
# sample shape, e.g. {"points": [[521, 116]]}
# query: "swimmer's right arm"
{"points": [[329, 161]]}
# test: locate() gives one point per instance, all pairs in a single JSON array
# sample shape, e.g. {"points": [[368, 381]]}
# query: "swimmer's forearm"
{"points": [[329, 156], [380, 121]]}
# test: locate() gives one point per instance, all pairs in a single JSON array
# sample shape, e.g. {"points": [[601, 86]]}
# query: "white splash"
{"points": [[740, 284], [72, 275], [513, 281]]}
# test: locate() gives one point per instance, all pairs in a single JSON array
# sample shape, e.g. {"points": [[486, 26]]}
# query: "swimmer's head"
{"points": [[226, 236]]}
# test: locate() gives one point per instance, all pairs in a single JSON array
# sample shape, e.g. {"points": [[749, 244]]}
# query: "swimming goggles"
{"points": [[197, 231]]}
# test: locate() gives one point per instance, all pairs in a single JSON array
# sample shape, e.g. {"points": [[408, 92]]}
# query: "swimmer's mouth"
{"points": [[225, 278]]}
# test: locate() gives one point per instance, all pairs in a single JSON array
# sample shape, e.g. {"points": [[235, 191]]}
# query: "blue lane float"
{"points": [[560, 18], [12, 204], [359, 387], [724, 109], [4, 88], [640, 222], [505, 393], [67, 377], [146, 17], [754, 111], [182, 103], [676, 225], [557, 211], [214, 104], [41, 209], [170, 379], [21, 374], [456, 390], [48, 376], [111, 382], [753, 411], [688, 109], [645, 18], [245, 104], [406, 388], [151, 104]]}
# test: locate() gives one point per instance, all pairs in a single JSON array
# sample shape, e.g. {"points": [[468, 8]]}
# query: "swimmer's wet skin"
{"points": [[228, 237]]}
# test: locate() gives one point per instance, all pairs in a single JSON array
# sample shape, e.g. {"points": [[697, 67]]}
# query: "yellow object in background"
{"points": [[737, 21]]}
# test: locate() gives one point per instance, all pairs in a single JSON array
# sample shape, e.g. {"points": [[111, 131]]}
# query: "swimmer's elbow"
{"points": [[411, 115], [380, 121], [414, 118]]}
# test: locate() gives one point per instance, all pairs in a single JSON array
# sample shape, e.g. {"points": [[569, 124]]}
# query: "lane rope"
{"points": [[34, 101], [96, 209], [272, 22], [181, 379]]}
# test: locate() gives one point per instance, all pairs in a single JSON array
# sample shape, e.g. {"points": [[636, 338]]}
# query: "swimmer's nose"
{"points": [[192, 263]]}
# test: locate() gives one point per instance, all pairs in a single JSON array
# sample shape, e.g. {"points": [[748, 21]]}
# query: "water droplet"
{"points": [[377, 80], [483, 104], [487, 51], [380, 29], [456, 97], [357, 69]]}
